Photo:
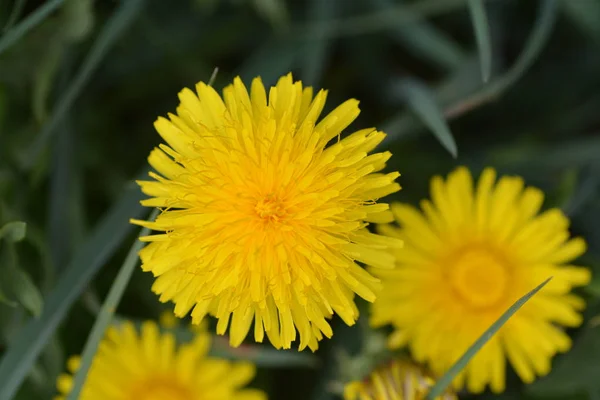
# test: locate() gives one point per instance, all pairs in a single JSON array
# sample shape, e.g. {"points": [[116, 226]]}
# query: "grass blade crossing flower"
{"points": [[399, 380], [470, 253]]}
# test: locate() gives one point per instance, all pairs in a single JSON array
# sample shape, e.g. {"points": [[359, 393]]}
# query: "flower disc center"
{"points": [[270, 208], [479, 277]]}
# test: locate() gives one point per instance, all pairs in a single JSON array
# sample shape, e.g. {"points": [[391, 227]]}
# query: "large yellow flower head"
{"points": [[398, 380], [149, 365], [263, 220], [469, 254]]}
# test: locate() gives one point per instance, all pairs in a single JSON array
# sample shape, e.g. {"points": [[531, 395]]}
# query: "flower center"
{"points": [[160, 388], [270, 208], [480, 277]]}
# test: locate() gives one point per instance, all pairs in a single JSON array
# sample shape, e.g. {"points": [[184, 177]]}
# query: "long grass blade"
{"points": [[445, 381], [423, 38], [36, 17], [383, 19], [103, 242], [422, 102], [112, 31], [548, 11], [482, 36], [15, 14], [585, 14], [107, 311]]}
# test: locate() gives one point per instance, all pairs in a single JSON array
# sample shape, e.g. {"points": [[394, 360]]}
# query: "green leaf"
{"points": [[15, 14], [96, 250], [422, 102], [261, 355], [273, 10], [391, 17], [24, 290], [35, 18], [78, 19], [107, 310], [482, 35], [112, 30], [586, 14], [460, 83], [445, 381], [422, 37], [18, 283], [5, 300], [535, 43], [13, 231]]}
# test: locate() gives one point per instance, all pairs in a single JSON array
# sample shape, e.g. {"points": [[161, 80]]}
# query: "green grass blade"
{"points": [[111, 31], [19, 282], [383, 19], [107, 311], [422, 37], [14, 34], [264, 356], [15, 14], [585, 14], [445, 381], [547, 14], [13, 231], [422, 102], [482, 35], [103, 242]]}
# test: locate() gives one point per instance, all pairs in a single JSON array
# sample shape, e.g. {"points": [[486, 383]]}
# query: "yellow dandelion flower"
{"points": [[149, 365], [399, 380], [263, 220], [469, 254]]}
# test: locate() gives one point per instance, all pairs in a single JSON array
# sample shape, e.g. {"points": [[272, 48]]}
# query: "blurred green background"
{"points": [[82, 81]]}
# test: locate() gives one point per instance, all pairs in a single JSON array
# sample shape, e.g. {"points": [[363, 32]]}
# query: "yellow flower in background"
{"points": [[469, 254], [264, 221], [399, 380], [149, 365]]}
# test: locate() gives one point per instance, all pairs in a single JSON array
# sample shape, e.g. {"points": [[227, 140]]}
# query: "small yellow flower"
{"points": [[263, 220], [150, 366], [468, 256], [399, 380]]}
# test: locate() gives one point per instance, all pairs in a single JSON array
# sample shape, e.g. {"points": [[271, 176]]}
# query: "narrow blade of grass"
{"points": [[423, 38], [103, 242], [383, 19], [422, 102], [262, 356], [14, 34], [482, 35], [586, 14], [445, 381], [461, 82], [111, 31], [106, 312], [19, 282], [535, 43], [15, 14]]}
